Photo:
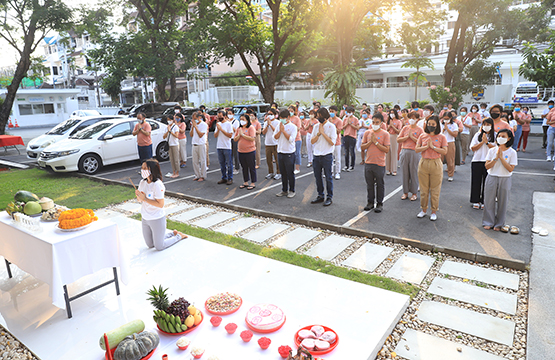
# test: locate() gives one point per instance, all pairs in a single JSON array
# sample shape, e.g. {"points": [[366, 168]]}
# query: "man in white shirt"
{"points": [[271, 124], [550, 105], [223, 134], [483, 111], [285, 135], [198, 129], [324, 136]]}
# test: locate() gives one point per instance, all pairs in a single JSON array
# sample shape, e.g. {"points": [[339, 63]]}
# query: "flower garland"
{"points": [[76, 218]]}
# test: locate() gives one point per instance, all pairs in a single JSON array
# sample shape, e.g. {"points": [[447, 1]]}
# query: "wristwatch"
{"points": [[376, 143]]}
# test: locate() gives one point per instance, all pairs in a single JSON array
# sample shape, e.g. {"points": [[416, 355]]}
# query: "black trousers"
{"points": [[374, 175], [478, 181], [248, 162], [544, 143], [349, 144], [235, 154], [287, 166]]}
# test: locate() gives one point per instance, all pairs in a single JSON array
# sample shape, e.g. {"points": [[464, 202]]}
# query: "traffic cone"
{"points": [[16, 123], [10, 125]]}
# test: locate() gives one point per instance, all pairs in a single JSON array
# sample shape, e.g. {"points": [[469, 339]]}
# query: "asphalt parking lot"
{"points": [[458, 225]]}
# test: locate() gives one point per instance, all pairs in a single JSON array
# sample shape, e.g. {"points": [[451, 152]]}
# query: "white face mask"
{"points": [[412, 122], [486, 128], [502, 140], [176, 111], [474, 110], [426, 113], [391, 116], [230, 116], [243, 122], [271, 117], [311, 116], [145, 173], [349, 114], [376, 127]]}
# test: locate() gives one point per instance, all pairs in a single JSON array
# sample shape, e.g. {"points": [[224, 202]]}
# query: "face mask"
{"points": [[486, 128], [376, 127], [176, 111], [141, 121], [495, 115], [302, 117], [243, 122], [517, 109], [431, 129], [271, 117], [145, 173], [426, 113], [364, 116], [291, 113], [197, 121], [283, 121], [525, 111], [474, 110], [445, 108], [415, 109], [344, 107], [463, 113], [412, 122], [321, 120], [332, 115], [550, 106], [311, 116], [391, 116], [349, 114], [230, 116], [502, 140]]}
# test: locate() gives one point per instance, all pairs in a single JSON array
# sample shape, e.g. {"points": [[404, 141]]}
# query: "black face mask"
{"points": [[431, 129], [495, 115], [321, 120]]}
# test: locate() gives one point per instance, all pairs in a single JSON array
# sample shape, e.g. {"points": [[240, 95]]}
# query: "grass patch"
{"points": [[293, 258], [64, 189]]}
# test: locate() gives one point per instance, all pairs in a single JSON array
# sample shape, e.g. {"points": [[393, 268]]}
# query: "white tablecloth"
{"points": [[60, 258]]}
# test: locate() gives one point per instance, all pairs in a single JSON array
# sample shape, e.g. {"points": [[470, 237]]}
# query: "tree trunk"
{"points": [[173, 89], [451, 57], [161, 89], [268, 93]]}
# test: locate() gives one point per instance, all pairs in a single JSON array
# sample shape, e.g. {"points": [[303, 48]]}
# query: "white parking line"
{"points": [[363, 213], [192, 176], [264, 189], [136, 168], [533, 174]]}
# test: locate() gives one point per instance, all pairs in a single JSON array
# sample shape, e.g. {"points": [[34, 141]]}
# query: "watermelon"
{"points": [[25, 196]]}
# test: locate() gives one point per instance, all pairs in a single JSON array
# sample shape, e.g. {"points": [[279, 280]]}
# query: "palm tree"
{"points": [[418, 62]]}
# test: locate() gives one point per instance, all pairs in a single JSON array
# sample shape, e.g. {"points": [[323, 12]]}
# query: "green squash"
{"points": [[136, 346], [25, 196]]}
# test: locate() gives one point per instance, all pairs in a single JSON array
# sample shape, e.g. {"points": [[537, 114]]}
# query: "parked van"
{"points": [[526, 93]]}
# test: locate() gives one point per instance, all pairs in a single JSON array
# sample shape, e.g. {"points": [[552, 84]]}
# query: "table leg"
{"points": [[116, 280], [68, 306], [9, 270]]}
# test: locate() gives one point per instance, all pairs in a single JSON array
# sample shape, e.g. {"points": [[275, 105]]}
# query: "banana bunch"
{"points": [[169, 322]]}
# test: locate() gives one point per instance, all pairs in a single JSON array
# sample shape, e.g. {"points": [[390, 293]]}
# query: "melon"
{"points": [[25, 196], [32, 208]]}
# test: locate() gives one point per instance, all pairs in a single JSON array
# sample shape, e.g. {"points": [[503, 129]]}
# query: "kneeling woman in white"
{"points": [[500, 163], [151, 195]]}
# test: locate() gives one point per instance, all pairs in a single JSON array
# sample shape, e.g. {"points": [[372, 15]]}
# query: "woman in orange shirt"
{"points": [[432, 144], [527, 118], [246, 147], [409, 158], [394, 126]]}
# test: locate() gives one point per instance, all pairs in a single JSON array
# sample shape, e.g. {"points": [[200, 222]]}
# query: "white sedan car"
{"points": [[62, 131], [104, 143]]}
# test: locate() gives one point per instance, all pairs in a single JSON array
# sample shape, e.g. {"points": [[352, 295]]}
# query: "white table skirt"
{"points": [[60, 258]]}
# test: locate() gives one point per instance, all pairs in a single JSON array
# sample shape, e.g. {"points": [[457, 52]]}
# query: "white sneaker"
{"points": [[168, 175], [281, 194], [309, 165], [549, 158], [421, 214], [337, 176], [450, 179], [291, 194], [296, 172], [433, 217], [277, 177], [269, 176], [235, 172]]}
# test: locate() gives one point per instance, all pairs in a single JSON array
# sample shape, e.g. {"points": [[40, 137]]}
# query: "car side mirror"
{"points": [[108, 137]]}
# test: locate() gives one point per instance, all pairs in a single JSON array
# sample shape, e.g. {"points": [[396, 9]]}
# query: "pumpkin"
{"points": [[136, 346]]}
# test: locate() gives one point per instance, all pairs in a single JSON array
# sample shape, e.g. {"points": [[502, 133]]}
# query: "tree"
{"points": [[271, 39], [481, 24], [539, 65], [418, 62], [341, 84], [24, 24]]}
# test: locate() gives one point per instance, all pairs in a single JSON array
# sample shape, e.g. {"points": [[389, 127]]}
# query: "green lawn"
{"points": [[293, 258], [64, 189]]}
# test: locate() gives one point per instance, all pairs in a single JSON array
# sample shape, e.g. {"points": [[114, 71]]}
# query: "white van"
{"points": [[526, 93]]}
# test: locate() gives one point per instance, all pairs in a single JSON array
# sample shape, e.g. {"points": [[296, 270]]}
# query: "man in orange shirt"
{"points": [[376, 143], [351, 125], [142, 131]]}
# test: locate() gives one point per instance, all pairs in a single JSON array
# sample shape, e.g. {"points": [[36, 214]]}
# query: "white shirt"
{"points": [[172, 140], [482, 152], [484, 113], [498, 169], [321, 146], [285, 146], [453, 127], [545, 112], [203, 128], [224, 142], [362, 121], [468, 121], [269, 137], [513, 123], [421, 123], [154, 190]]}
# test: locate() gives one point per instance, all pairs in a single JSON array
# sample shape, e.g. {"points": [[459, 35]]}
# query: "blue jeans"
{"points": [[226, 163], [145, 152], [323, 162], [550, 141], [298, 145], [518, 134]]}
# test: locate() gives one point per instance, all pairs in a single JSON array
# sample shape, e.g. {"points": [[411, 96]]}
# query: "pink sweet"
{"points": [[230, 328], [321, 345], [329, 336], [308, 344], [246, 335], [306, 334], [317, 330]]}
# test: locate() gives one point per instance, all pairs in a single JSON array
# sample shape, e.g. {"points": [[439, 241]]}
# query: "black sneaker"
{"points": [[378, 208], [317, 200], [368, 207], [351, 168], [327, 202]]}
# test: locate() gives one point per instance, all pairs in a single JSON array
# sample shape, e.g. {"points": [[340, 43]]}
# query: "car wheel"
{"points": [[90, 164], [163, 151]]}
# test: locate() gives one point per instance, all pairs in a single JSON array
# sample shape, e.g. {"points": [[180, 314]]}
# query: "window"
{"points": [[119, 130], [84, 124], [38, 108], [35, 109], [451, 24], [61, 108], [25, 110], [49, 108], [54, 70]]}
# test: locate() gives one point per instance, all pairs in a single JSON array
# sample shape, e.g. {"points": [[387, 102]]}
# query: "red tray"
{"points": [[145, 358], [186, 331], [223, 312], [266, 331], [317, 352]]}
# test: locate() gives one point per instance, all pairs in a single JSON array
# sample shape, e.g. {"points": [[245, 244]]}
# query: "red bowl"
{"points": [[318, 352], [264, 343], [184, 347], [221, 312], [186, 331], [198, 356], [145, 358]]}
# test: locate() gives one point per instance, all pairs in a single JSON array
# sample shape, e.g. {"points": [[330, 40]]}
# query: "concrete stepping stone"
{"points": [[295, 239], [192, 214], [134, 207], [173, 208], [491, 299], [411, 268], [368, 257], [488, 276], [238, 225], [416, 345], [214, 219], [265, 232], [330, 247], [467, 321]]}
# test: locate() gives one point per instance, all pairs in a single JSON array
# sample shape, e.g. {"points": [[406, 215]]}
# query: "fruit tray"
{"points": [[318, 352], [186, 331]]}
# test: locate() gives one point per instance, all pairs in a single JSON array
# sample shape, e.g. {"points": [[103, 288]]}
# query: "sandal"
{"points": [[505, 229], [250, 187], [476, 206], [413, 197], [243, 186], [496, 228], [404, 197], [487, 227], [514, 230]]}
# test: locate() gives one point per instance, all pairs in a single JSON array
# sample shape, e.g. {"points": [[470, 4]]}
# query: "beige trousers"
{"points": [[391, 157], [199, 161], [430, 177]]}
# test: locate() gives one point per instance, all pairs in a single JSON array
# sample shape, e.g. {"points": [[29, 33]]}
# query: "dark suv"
{"points": [[151, 110]]}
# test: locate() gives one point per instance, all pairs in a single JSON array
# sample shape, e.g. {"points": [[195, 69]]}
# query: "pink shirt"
{"points": [[142, 139], [182, 127], [338, 126], [438, 141], [551, 116], [502, 125], [526, 117], [396, 123], [476, 118], [373, 154], [349, 130], [244, 145], [410, 143], [297, 121]]}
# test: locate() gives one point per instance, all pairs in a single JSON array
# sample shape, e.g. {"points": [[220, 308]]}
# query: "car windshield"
{"points": [[63, 127], [133, 108], [91, 131], [239, 110]]}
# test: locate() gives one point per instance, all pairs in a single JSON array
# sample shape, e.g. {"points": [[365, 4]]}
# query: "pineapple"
{"points": [[158, 298], [179, 308]]}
